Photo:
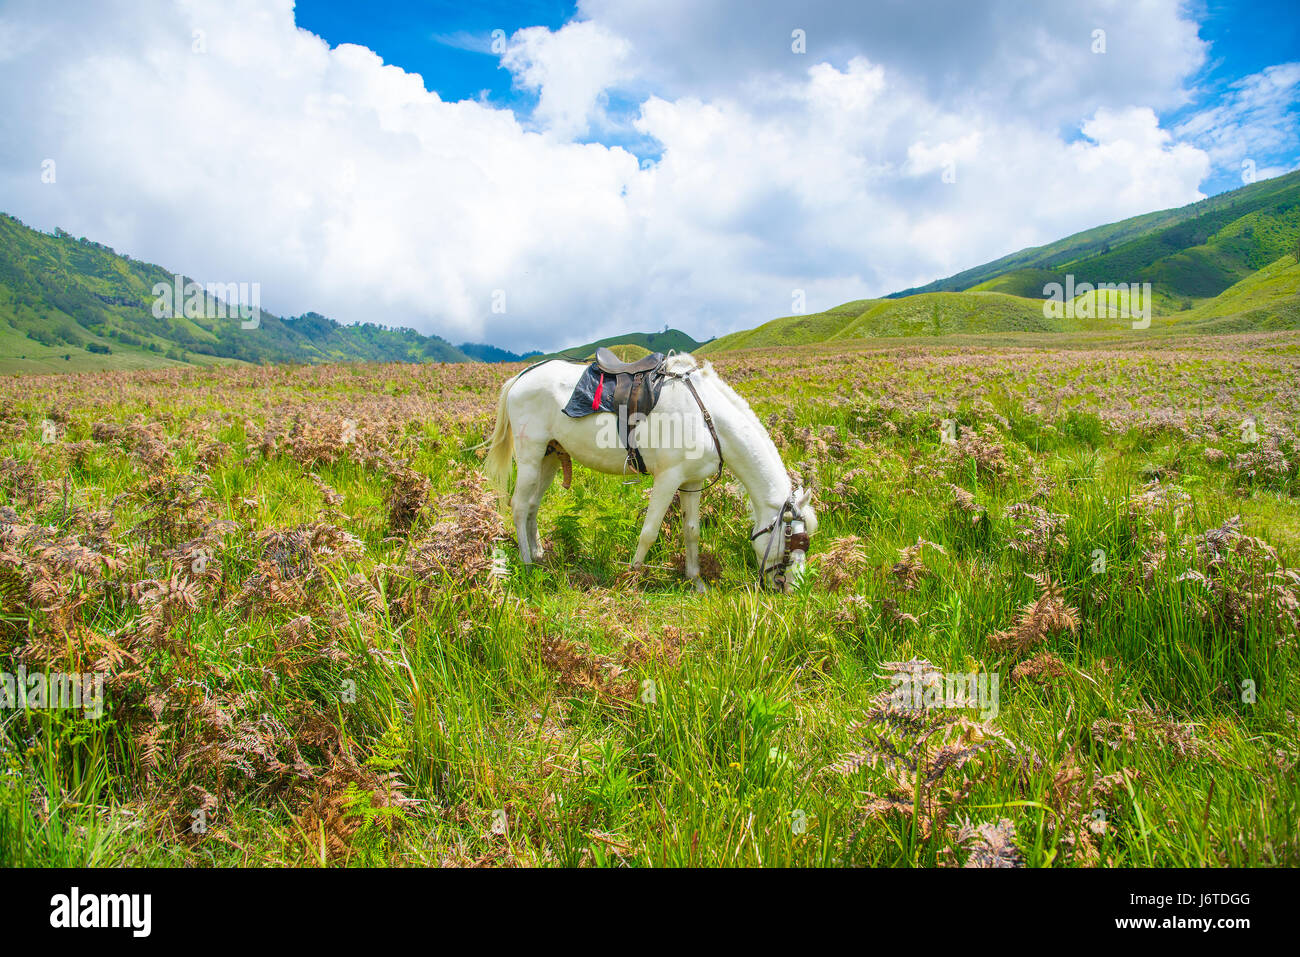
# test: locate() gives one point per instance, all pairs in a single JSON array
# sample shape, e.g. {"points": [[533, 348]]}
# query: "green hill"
{"points": [[1188, 254], [926, 314], [649, 341], [1224, 264], [71, 304], [1267, 299]]}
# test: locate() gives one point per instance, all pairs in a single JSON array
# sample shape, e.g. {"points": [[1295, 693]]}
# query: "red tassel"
{"points": [[600, 386]]}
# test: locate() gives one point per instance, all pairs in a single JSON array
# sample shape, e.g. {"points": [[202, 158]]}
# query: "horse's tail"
{"points": [[501, 448]]}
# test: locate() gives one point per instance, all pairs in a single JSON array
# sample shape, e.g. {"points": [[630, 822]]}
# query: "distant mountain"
{"points": [[1227, 263], [650, 341], [482, 352], [68, 304], [1223, 264], [1188, 254]]}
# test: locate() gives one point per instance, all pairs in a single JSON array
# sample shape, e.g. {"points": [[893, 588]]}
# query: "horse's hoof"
{"points": [[699, 586]]}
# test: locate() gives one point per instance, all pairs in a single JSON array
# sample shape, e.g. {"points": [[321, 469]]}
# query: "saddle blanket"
{"points": [[595, 393]]}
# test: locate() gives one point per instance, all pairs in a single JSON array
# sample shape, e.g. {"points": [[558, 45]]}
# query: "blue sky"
{"points": [[621, 165], [1244, 39], [431, 38]]}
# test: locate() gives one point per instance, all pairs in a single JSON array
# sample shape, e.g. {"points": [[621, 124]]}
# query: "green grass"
{"points": [[515, 714], [1263, 290]]}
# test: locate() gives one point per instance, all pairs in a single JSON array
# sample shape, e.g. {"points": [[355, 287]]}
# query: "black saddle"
{"points": [[613, 365], [627, 389]]}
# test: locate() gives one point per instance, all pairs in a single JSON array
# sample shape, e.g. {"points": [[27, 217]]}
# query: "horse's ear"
{"points": [[804, 499]]}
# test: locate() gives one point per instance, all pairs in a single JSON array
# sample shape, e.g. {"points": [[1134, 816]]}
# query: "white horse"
{"points": [[678, 448]]}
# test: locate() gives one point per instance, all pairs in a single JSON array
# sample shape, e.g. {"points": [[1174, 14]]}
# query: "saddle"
{"points": [[613, 365], [626, 389]]}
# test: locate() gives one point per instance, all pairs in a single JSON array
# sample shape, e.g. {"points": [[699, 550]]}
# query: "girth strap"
{"points": [[631, 391]]}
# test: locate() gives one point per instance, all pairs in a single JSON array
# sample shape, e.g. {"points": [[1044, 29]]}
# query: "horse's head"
{"points": [[781, 544]]}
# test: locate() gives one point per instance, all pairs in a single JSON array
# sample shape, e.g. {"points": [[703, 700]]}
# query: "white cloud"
{"points": [[838, 200], [1255, 119], [570, 69], [1032, 60], [342, 185]]}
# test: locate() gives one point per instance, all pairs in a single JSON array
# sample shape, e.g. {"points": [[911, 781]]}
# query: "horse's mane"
{"points": [[685, 362]]}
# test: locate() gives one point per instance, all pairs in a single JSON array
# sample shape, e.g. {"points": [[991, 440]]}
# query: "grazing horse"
{"points": [[697, 423]]}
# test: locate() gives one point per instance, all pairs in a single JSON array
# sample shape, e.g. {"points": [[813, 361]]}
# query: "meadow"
{"points": [[319, 647]]}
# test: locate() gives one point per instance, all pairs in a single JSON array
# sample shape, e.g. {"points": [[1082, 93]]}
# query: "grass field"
{"points": [[288, 576]]}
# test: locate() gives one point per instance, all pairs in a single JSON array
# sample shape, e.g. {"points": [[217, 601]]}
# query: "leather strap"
{"points": [[708, 421], [636, 386]]}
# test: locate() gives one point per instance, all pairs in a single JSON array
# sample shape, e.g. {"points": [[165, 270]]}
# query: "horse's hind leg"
{"points": [[546, 475], [523, 505]]}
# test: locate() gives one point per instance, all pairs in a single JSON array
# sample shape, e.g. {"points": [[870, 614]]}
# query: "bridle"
{"points": [[792, 540]]}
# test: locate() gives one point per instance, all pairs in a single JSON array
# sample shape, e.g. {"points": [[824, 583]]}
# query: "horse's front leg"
{"points": [[691, 533], [661, 496]]}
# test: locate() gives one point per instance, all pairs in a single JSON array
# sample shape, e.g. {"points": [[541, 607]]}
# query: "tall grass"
{"points": [[391, 701]]}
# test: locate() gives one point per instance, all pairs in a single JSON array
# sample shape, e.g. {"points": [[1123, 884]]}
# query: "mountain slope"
{"points": [[926, 314], [1191, 252], [650, 341], [70, 303], [483, 352], [1267, 299]]}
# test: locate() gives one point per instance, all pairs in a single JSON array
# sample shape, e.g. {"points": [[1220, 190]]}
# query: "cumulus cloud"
{"points": [[570, 69], [832, 199], [1033, 60], [337, 182], [343, 185]]}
